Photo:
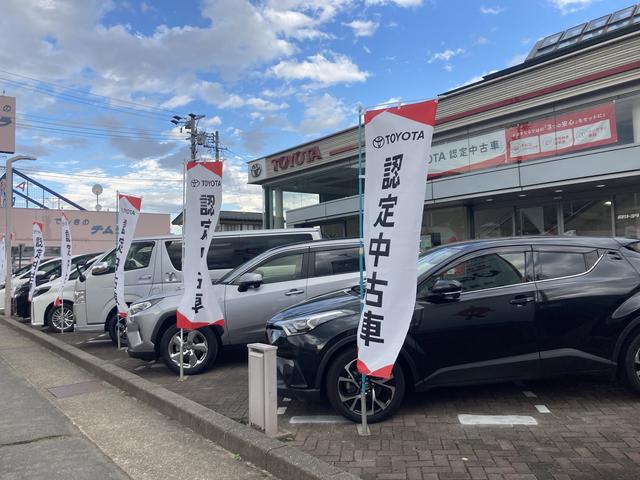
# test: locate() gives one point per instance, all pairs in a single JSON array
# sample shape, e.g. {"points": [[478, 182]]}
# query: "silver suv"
{"points": [[250, 294]]}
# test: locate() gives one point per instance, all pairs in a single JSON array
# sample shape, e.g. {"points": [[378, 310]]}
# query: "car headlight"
{"points": [[40, 290], [136, 308], [79, 296], [304, 324]]}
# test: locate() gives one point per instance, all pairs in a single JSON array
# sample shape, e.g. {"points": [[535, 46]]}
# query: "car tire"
{"points": [[112, 327], [200, 351], [54, 318], [632, 363], [343, 390]]}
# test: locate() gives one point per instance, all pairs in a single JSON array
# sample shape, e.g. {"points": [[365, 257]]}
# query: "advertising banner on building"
{"points": [[564, 133], [128, 214], [65, 255], [7, 124], [38, 253], [397, 141], [470, 153], [200, 306]]}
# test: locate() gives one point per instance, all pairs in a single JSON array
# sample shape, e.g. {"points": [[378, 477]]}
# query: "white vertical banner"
{"points": [[200, 306], [128, 214], [3, 266], [65, 254], [38, 253], [398, 143]]}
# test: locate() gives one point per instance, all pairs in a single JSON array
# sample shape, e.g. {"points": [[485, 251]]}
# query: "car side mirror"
{"points": [[249, 280], [446, 289], [100, 268]]}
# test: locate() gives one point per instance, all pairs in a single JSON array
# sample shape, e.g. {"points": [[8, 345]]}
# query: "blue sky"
{"points": [[98, 81]]}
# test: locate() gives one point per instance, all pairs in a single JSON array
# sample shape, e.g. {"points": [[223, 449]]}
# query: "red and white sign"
{"points": [[200, 306], [562, 133], [398, 140], [65, 254], [38, 253], [128, 214], [7, 124]]}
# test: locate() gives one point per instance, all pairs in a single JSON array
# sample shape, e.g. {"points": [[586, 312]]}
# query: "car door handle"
{"points": [[521, 300], [294, 291], [144, 277]]}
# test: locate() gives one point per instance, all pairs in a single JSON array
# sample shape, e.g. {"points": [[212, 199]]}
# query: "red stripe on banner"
{"points": [[423, 112], [122, 314], [57, 302], [215, 167], [384, 372], [183, 322], [136, 202], [39, 224]]}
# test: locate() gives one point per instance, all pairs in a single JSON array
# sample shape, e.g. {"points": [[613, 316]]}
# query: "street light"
{"points": [[8, 211]]}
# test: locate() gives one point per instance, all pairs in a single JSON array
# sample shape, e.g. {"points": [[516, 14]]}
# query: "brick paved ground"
{"points": [[592, 432]]}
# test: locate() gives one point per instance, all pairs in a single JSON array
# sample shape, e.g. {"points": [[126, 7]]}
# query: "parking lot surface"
{"points": [[575, 427]]}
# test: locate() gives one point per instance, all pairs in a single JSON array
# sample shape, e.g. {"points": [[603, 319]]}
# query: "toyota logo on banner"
{"points": [[378, 142], [195, 183]]}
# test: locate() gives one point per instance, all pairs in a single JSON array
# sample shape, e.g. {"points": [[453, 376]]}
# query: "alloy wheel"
{"points": [[637, 363], [378, 393], [62, 318], [195, 349]]}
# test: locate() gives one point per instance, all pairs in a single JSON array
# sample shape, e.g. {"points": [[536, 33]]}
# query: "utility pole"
{"points": [[217, 146], [191, 124]]}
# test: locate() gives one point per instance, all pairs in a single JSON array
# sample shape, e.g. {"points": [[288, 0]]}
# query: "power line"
{"points": [[73, 133], [65, 98], [83, 126], [103, 97], [58, 174]]}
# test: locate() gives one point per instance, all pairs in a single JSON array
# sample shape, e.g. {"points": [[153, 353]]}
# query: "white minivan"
{"points": [[150, 269]]}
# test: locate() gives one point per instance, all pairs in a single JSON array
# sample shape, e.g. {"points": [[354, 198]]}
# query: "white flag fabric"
{"points": [[398, 142], [38, 253], [65, 254], [128, 214], [199, 305]]}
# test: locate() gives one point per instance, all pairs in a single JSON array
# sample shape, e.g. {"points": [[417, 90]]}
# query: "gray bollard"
{"points": [[263, 395]]}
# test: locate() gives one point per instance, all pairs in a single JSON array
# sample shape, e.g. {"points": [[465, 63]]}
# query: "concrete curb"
{"points": [[274, 456]]}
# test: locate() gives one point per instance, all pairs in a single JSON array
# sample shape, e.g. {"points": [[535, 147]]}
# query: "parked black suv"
{"points": [[486, 311]]}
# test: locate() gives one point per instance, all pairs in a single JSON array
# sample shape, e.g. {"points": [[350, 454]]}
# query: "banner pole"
{"points": [[184, 223], [124, 260], [363, 428], [181, 354]]}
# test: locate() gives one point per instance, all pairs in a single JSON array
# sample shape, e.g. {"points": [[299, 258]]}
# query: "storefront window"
{"points": [[628, 215], [333, 230], [493, 222], [588, 217], [443, 225], [540, 220]]}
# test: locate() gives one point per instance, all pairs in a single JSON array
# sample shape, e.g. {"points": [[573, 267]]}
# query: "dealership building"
{"points": [[550, 146]]}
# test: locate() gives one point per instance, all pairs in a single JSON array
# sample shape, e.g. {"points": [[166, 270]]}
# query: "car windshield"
{"points": [[435, 257]]}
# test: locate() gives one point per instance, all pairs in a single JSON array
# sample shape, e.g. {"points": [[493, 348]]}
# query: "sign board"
{"points": [[7, 124]]}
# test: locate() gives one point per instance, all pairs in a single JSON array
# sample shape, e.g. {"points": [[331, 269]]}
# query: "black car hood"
{"points": [[340, 300]]}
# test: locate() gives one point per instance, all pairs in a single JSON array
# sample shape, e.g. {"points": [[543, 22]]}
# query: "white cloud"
{"points": [[448, 67], [482, 40], [399, 3], [323, 113], [491, 10], [570, 6], [363, 28], [210, 122], [321, 70], [446, 55]]}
